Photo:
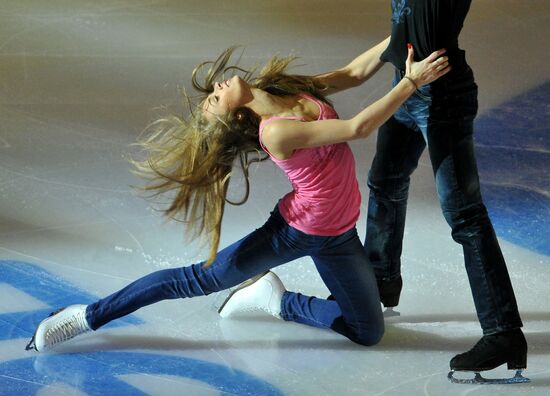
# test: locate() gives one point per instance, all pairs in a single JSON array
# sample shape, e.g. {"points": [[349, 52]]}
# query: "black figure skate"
{"points": [[390, 290], [490, 352]]}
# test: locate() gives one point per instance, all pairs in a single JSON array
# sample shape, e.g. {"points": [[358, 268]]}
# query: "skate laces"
{"points": [[67, 329]]}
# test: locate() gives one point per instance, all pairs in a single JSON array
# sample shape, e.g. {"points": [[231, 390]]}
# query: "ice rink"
{"points": [[79, 80]]}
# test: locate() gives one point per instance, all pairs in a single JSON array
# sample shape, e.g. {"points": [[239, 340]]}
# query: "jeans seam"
{"points": [[290, 317], [124, 300], [352, 309], [478, 258]]}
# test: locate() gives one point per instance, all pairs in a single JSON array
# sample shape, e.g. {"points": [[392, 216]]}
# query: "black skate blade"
{"points": [[390, 313], [479, 380], [30, 346]]}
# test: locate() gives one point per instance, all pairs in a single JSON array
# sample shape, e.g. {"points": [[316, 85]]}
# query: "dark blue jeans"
{"points": [[340, 260], [440, 116]]}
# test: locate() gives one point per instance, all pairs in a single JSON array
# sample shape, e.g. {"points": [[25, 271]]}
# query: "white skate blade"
{"points": [[479, 380]]}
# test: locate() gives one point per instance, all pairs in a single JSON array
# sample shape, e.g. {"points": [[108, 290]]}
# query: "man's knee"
{"points": [[468, 219], [389, 189]]}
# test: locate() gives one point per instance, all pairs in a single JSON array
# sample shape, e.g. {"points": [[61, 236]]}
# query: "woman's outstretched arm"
{"points": [[356, 72], [282, 137]]}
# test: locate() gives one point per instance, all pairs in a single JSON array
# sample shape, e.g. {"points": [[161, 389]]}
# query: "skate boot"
{"points": [[490, 352], [263, 292], [60, 326], [390, 290]]}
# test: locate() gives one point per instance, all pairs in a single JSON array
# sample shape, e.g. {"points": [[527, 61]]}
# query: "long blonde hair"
{"points": [[193, 158]]}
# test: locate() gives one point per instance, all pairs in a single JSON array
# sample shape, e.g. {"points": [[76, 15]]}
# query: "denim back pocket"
{"points": [[423, 93]]}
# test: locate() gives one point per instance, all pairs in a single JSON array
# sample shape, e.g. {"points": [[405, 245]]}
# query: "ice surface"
{"points": [[80, 80]]}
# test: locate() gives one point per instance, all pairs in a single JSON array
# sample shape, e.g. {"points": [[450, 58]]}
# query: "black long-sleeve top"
{"points": [[428, 25]]}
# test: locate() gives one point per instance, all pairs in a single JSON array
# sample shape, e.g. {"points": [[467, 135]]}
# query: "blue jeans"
{"points": [[340, 260], [440, 116]]}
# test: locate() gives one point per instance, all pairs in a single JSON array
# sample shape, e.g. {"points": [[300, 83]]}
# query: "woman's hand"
{"points": [[427, 70]]}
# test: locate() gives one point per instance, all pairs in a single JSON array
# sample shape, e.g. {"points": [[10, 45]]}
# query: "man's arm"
{"points": [[356, 72]]}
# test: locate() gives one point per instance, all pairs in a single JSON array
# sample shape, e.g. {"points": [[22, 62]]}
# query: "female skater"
{"points": [[289, 118]]}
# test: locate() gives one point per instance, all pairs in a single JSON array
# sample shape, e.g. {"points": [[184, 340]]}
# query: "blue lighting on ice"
{"points": [[513, 152], [95, 373]]}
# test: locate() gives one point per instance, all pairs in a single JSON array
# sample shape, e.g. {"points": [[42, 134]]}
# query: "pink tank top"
{"points": [[325, 199]]}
